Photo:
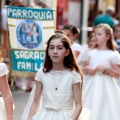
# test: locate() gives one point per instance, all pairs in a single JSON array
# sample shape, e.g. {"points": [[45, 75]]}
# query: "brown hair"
{"points": [[60, 32], [1, 58], [69, 61], [91, 33], [72, 28], [117, 25], [108, 30]]}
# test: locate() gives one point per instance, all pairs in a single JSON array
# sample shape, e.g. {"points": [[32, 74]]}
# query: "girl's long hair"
{"points": [[108, 31], [1, 58], [69, 61]]}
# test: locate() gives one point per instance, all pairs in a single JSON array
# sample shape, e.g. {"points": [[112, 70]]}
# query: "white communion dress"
{"points": [[57, 96], [3, 71], [101, 92]]}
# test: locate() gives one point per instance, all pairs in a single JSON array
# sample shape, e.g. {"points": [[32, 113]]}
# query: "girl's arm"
{"points": [[113, 71], [87, 69], [77, 92], [36, 100], [7, 97]]}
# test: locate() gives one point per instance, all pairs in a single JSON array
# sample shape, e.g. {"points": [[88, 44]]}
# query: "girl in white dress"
{"points": [[73, 33], [6, 101], [89, 45], [101, 68], [59, 83]]}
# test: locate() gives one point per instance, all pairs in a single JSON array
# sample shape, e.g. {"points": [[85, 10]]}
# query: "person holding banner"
{"points": [[59, 82], [6, 101]]}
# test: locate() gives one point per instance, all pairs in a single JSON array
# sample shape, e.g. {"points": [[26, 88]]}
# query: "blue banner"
{"points": [[27, 60], [29, 13]]}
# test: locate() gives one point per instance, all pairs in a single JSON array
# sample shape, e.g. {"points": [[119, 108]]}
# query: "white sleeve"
{"points": [[38, 76], [3, 69], [86, 56], [76, 47], [76, 77], [115, 58]]}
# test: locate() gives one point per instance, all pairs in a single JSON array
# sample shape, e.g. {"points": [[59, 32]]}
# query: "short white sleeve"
{"points": [[115, 58], [86, 56], [76, 47], [3, 69], [38, 76], [76, 77]]}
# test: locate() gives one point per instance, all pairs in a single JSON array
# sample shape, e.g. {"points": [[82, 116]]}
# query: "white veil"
{"points": [[28, 105]]}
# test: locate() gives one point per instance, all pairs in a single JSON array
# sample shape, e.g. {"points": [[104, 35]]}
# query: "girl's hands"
{"points": [[101, 68], [88, 70]]}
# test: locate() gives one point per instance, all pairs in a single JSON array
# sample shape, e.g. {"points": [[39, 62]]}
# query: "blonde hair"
{"points": [[109, 31]]}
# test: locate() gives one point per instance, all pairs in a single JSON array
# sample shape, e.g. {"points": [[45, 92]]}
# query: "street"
{"points": [[20, 98]]}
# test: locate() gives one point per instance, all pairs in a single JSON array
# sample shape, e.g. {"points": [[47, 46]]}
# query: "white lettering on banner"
{"points": [[22, 54], [49, 15], [19, 12], [9, 11], [28, 66], [16, 54], [29, 14], [36, 55], [35, 15], [42, 55], [24, 13], [14, 13], [29, 55]]}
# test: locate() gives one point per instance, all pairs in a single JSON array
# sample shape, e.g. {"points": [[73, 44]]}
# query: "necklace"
{"points": [[57, 83], [56, 88], [58, 77]]}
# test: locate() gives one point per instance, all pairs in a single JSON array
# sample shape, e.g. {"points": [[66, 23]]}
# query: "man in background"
{"points": [[107, 18]]}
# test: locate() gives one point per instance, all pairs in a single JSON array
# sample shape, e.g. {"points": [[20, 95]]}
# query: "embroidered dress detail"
{"points": [[55, 104], [58, 75]]}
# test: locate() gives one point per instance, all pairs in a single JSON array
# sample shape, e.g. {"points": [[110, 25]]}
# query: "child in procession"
{"points": [[101, 70], [6, 101]]}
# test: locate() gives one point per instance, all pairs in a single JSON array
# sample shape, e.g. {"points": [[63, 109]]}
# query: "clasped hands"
{"points": [[91, 71]]}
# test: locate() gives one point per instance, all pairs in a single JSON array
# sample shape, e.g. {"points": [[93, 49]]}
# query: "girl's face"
{"points": [[101, 36], [117, 32], [57, 51], [92, 40], [70, 35]]}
